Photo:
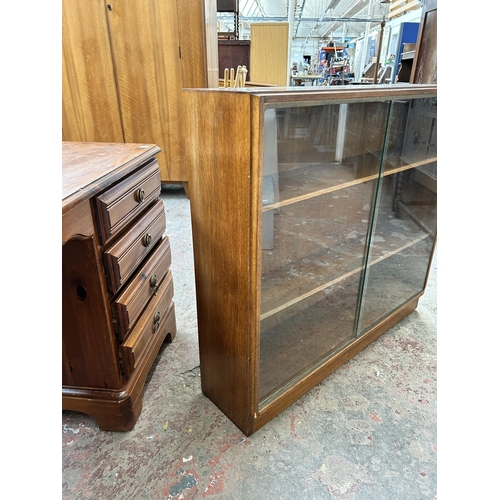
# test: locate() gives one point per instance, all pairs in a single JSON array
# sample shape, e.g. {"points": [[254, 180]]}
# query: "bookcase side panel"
{"points": [[220, 163]]}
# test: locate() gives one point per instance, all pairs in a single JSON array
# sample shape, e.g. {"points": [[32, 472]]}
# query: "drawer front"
{"points": [[151, 323], [122, 258], [128, 306], [116, 207]]}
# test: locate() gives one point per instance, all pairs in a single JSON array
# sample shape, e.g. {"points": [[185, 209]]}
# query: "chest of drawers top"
{"points": [[82, 179]]}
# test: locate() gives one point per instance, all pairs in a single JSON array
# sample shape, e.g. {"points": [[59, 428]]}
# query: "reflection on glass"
{"points": [[320, 181], [405, 222], [348, 226], [310, 281]]}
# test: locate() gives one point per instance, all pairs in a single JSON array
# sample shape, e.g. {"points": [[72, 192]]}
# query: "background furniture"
{"points": [[232, 7], [406, 63], [408, 33], [424, 69], [269, 53], [124, 67], [117, 287], [383, 74], [300, 257], [234, 53], [311, 79]]}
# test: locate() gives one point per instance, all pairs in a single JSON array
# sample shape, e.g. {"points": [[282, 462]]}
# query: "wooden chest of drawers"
{"points": [[117, 287]]}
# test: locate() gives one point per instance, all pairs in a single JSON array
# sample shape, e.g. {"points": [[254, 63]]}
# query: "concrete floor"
{"points": [[367, 432]]}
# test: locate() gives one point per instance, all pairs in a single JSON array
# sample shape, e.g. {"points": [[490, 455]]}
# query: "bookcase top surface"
{"points": [[272, 95]]}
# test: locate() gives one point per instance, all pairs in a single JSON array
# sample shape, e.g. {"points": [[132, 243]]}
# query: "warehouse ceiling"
{"points": [[324, 19]]}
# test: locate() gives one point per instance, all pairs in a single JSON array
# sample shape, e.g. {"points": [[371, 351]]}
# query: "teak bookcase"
{"points": [[314, 224]]}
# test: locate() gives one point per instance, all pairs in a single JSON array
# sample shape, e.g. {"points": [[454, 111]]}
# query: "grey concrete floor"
{"points": [[367, 432]]}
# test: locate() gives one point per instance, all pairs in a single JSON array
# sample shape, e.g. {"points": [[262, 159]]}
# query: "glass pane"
{"points": [[319, 186], [406, 213]]}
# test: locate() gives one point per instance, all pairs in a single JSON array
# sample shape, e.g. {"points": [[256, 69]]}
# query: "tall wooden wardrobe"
{"points": [[124, 65]]}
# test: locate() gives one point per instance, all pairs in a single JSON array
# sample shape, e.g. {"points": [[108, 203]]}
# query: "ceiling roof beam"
{"points": [[257, 2], [299, 8], [315, 19]]}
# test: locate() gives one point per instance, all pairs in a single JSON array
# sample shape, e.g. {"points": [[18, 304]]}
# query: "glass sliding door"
{"points": [[405, 219], [321, 172]]}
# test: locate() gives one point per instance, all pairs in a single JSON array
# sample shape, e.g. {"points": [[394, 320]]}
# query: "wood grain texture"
{"points": [[77, 221], [118, 410], [112, 410], [121, 203], [128, 306], [220, 189], [144, 39], [122, 258], [158, 48], [424, 69], [255, 256], [269, 53], [136, 345], [92, 374], [90, 109], [124, 66], [88, 339], [192, 41], [88, 167], [317, 96], [324, 95]]}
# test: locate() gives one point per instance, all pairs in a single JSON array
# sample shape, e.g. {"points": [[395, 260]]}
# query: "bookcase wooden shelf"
{"points": [[314, 224]]}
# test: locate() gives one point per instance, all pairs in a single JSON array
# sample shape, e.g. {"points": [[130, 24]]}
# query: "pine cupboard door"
{"points": [[269, 53], [90, 108]]}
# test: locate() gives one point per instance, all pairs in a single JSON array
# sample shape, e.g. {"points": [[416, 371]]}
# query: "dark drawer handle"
{"points": [[147, 239], [156, 322], [140, 195], [154, 283]]}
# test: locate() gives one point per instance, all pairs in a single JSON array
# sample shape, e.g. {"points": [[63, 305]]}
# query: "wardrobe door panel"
{"points": [[90, 110], [144, 41]]}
